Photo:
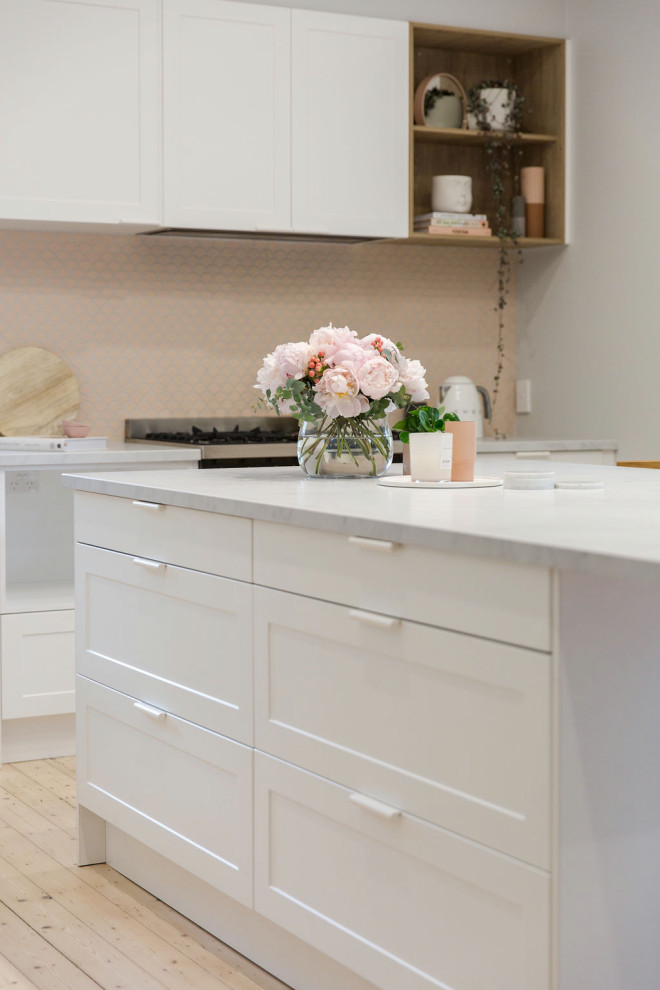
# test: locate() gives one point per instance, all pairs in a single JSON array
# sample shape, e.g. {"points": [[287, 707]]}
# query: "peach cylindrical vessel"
{"points": [[464, 451], [532, 183]]}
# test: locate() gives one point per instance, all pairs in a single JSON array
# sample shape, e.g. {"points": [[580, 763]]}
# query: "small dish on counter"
{"points": [[73, 429]]}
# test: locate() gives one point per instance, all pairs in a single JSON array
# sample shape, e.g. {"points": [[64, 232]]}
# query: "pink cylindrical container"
{"points": [[532, 186], [464, 452]]}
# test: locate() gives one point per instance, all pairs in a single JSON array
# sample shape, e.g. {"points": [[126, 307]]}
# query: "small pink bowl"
{"points": [[73, 429]]}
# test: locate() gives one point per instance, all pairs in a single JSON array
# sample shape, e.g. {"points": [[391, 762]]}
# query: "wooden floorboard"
{"points": [[64, 927]]}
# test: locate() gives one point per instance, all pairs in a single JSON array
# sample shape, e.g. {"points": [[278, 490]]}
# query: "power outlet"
{"points": [[22, 482]]}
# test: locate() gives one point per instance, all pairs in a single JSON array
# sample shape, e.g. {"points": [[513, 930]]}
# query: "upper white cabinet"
{"points": [[80, 112], [284, 120], [350, 116], [227, 119]]}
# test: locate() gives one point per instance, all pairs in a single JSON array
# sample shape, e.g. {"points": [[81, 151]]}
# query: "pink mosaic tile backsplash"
{"points": [[179, 326]]}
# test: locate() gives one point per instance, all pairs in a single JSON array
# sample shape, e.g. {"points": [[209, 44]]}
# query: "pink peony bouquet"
{"points": [[337, 374], [344, 385]]}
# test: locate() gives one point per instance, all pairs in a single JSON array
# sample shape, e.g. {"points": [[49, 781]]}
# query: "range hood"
{"points": [[258, 235]]}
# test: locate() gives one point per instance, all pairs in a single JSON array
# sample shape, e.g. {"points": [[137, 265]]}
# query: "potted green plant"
{"points": [[494, 105], [421, 420]]}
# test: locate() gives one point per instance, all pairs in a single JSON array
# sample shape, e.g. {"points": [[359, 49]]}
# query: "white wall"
{"points": [[588, 314]]}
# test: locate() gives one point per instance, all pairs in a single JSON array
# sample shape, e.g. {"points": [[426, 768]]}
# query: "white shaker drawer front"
{"points": [[453, 728], [203, 541], [38, 664], [179, 639], [183, 791], [403, 903], [492, 598]]}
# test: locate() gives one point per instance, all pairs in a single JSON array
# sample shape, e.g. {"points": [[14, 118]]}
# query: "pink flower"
{"points": [[350, 353], [294, 359], [330, 340], [337, 393], [411, 376], [270, 374], [377, 377], [385, 345]]}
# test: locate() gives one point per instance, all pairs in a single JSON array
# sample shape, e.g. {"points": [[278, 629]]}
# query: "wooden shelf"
{"points": [[537, 65], [453, 240], [454, 135]]}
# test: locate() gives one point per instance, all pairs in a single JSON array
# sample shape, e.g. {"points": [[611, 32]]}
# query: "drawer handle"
{"points": [[375, 807], [533, 455], [152, 565], [149, 710], [382, 546], [374, 619], [154, 506]]}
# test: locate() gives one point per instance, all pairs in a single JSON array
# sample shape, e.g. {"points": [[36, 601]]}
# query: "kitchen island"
{"points": [[374, 737]]}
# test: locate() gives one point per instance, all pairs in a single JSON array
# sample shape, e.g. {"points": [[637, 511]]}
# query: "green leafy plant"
{"points": [[423, 419], [503, 152]]}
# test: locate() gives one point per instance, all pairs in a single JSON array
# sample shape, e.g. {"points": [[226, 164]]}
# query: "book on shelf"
{"points": [[463, 231], [53, 443], [452, 219]]}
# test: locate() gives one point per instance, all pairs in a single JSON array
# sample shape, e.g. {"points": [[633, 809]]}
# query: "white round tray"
{"points": [[407, 482]]}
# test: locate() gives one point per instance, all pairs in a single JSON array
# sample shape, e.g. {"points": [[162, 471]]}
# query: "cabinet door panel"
{"points": [[477, 595], [227, 115], [180, 789], [80, 110], [202, 541], [401, 902], [38, 664], [450, 727], [177, 639], [350, 124]]}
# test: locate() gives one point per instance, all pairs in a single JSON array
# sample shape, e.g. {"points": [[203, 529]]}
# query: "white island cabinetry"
{"points": [[386, 803], [424, 723]]}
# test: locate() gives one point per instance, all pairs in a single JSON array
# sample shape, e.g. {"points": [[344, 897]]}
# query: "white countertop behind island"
{"points": [[117, 452]]}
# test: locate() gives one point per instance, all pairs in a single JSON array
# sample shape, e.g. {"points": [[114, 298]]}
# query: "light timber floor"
{"points": [[64, 927]]}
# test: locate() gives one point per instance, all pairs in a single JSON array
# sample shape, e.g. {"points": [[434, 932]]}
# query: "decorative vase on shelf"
{"points": [[345, 447]]}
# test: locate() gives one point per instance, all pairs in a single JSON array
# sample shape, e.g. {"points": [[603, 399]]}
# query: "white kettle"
{"points": [[461, 396]]}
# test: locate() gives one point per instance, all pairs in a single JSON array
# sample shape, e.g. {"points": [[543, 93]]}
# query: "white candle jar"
{"points": [[430, 456]]}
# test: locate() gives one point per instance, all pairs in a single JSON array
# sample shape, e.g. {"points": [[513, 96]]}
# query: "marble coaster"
{"points": [[408, 483]]}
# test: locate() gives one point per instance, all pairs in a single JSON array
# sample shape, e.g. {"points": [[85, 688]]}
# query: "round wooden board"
{"points": [[37, 391]]}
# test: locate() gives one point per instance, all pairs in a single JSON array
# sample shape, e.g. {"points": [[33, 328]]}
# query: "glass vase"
{"points": [[355, 447]]}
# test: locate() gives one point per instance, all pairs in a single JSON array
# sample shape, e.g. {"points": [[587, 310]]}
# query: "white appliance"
{"points": [[460, 395]]}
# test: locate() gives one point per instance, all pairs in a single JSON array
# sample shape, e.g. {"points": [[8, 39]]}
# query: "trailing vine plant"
{"points": [[503, 152]]}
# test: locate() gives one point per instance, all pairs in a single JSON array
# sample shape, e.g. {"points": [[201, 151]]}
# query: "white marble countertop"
{"points": [[614, 531], [117, 452]]}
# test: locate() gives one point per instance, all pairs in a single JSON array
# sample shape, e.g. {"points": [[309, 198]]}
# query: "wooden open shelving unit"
{"points": [[538, 66]]}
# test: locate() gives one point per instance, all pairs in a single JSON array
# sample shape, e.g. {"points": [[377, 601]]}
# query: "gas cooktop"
{"points": [[242, 438]]}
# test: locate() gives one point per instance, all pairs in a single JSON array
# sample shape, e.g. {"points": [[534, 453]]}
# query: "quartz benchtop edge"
{"points": [[614, 532], [116, 452]]}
